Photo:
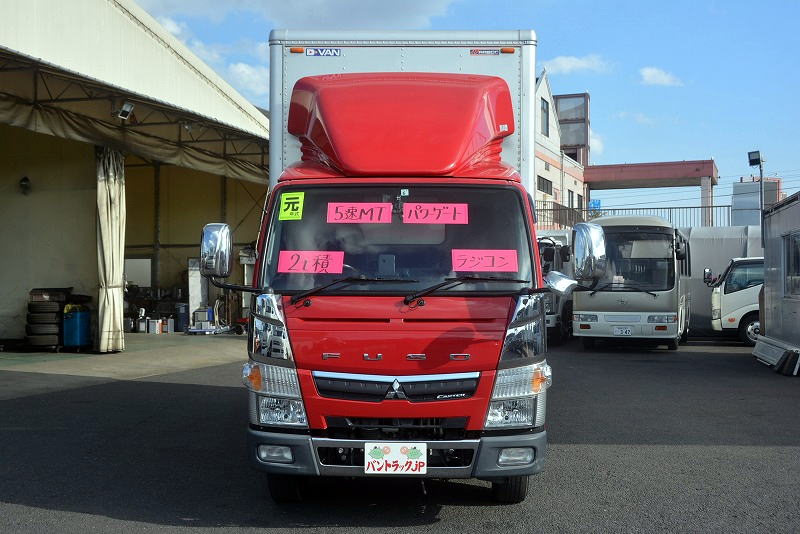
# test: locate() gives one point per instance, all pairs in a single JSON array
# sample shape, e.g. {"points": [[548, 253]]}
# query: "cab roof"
{"points": [[401, 124]]}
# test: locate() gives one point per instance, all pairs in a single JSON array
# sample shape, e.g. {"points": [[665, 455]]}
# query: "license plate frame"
{"points": [[623, 331], [395, 458]]}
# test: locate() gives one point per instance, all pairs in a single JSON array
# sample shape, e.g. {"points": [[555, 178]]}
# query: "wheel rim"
{"points": [[753, 330]]}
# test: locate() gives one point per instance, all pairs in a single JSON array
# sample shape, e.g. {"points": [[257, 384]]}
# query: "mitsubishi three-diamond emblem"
{"points": [[396, 392]]}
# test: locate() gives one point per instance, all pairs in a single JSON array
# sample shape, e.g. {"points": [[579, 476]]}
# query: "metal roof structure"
{"points": [[69, 68]]}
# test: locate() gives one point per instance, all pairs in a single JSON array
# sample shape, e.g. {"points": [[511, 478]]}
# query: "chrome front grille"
{"points": [[377, 388]]}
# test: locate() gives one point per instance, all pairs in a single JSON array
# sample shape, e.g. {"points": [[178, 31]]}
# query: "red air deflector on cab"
{"points": [[403, 124]]}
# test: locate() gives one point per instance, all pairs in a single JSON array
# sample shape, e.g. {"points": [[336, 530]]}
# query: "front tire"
{"points": [[749, 329], [512, 490], [672, 344], [285, 489]]}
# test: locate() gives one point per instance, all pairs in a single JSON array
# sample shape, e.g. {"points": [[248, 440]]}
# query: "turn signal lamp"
{"points": [[297, 50], [252, 378], [507, 50]]}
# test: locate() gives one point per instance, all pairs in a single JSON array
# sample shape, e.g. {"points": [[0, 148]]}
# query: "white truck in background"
{"points": [[556, 255], [734, 298]]}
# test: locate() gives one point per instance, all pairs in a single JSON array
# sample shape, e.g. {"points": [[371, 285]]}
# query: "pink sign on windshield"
{"points": [[483, 260], [359, 212], [433, 213], [311, 261]]}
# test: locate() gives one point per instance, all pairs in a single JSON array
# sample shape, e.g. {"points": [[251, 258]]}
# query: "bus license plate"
{"points": [[392, 458], [622, 331]]}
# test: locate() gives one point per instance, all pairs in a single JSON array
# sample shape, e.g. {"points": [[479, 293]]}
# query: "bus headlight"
{"points": [[584, 318], [715, 313], [664, 318]]}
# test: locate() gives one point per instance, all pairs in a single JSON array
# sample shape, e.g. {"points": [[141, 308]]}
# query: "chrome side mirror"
{"points": [[559, 282], [215, 250], [589, 251]]}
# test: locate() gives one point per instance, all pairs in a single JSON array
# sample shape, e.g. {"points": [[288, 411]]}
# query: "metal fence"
{"points": [[555, 216]]}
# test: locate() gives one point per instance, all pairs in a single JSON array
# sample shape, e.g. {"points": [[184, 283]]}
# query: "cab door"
{"points": [[740, 292]]}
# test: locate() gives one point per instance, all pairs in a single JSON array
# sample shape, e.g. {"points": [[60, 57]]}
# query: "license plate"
{"points": [[622, 331], [392, 458]]}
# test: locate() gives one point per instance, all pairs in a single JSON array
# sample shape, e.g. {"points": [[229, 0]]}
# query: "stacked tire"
{"points": [[44, 324]]}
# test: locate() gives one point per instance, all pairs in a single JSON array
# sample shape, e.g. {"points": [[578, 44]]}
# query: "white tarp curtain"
{"points": [[110, 247], [62, 123]]}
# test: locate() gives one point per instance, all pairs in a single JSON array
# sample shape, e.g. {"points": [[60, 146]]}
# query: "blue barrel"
{"points": [[76, 329], [181, 317]]}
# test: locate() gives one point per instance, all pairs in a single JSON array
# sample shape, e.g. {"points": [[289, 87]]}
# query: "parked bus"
{"points": [[644, 293]]}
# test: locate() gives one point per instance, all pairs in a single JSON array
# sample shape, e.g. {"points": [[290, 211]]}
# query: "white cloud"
{"points": [[639, 118], [244, 63], [569, 64], [656, 76], [329, 14], [253, 80], [595, 142]]}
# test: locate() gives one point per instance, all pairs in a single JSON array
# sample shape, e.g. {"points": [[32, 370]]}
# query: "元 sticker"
{"points": [[291, 208]]}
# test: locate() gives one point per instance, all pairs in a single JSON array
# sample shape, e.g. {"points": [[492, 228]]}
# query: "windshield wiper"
{"points": [[622, 288], [458, 280], [323, 287]]}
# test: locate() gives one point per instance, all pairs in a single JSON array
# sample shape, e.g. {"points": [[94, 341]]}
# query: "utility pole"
{"points": [[754, 158]]}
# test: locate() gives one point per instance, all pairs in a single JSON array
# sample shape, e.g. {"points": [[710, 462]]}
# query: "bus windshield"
{"points": [[638, 260], [415, 235]]}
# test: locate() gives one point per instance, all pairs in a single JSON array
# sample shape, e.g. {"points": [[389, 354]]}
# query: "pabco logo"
{"points": [[484, 52]]}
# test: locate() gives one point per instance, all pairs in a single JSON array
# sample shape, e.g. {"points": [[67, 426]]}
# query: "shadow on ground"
{"points": [[172, 452]]}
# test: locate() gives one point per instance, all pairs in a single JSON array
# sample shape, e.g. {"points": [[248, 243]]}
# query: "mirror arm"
{"points": [[535, 290], [235, 287]]}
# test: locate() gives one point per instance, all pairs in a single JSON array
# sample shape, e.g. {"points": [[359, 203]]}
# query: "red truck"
{"points": [[397, 326]]}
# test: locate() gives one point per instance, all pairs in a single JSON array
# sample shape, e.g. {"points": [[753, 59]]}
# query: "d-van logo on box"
{"points": [[324, 52]]}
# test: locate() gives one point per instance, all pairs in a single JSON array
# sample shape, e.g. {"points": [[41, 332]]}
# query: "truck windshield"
{"points": [[417, 234], [638, 260]]}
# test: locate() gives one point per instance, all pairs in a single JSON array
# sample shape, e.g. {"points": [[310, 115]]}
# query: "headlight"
{"points": [[273, 411], [511, 413], [665, 318], [274, 395], [524, 342], [584, 318], [519, 397], [715, 313]]}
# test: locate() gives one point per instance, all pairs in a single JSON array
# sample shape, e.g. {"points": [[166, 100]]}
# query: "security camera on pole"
{"points": [[755, 158]]}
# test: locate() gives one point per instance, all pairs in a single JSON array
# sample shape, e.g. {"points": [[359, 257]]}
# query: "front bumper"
{"points": [[639, 329], [306, 457]]}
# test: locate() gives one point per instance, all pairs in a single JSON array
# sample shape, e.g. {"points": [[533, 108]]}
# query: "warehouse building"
{"points": [[116, 142]]}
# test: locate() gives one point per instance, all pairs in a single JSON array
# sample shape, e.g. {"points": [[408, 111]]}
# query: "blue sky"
{"points": [[677, 80]]}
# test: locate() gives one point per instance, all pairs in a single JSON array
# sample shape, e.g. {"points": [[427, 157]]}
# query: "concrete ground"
{"points": [[144, 356], [699, 440]]}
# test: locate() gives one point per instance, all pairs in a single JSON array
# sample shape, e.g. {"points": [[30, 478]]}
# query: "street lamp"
{"points": [[754, 158]]}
